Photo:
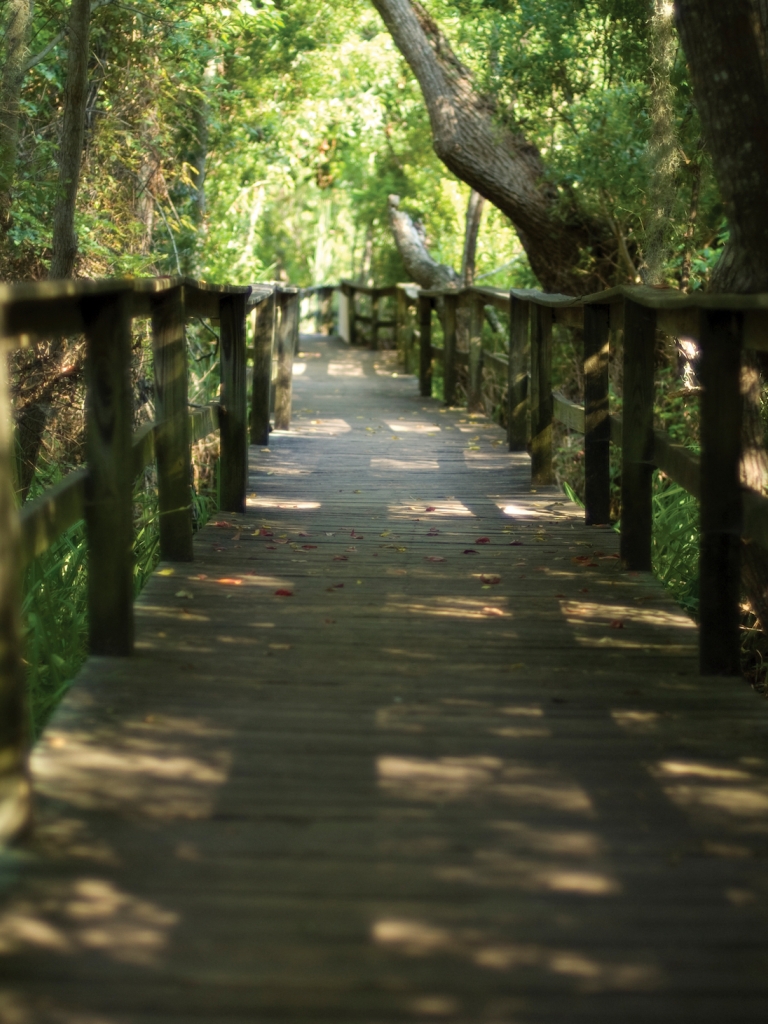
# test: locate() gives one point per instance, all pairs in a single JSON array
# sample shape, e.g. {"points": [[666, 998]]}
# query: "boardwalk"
{"points": [[403, 744]]}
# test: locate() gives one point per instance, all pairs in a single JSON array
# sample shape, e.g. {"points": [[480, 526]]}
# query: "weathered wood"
{"points": [[677, 462], [425, 345], [203, 422], [495, 361], [475, 384], [262, 326], [325, 310], [45, 518], [233, 464], [15, 796], [597, 438], [541, 395], [518, 409], [450, 309], [351, 293], [174, 465], [287, 329], [720, 339], [403, 330], [375, 321], [109, 489], [637, 446], [569, 413]]}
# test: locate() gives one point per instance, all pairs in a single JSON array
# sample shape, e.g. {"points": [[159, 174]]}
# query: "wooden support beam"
{"points": [[174, 465], [326, 310], [287, 343], [637, 447], [541, 396], [597, 437], [475, 385], [109, 486], [404, 333], [450, 309], [518, 405], [262, 327], [15, 794], [352, 298], [233, 467], [375, 321], [720, 339], [425, 346]]}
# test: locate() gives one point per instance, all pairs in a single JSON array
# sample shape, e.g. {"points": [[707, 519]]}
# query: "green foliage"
{"points": [[675, 544]]}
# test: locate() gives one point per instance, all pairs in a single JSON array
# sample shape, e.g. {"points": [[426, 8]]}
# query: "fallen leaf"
{"points": [[490, 610], [329, 534], [309, 547], [185, 593], [230, 582], [584, 590], [617, 624], [469, 551], [357, 492], [283, 593], [330, 622], [605, 558], [340, 558], [434, 558], [279, 647], [202, 576], [433, 532], [351, 547], [402, 549], [483, 540], [516, 544], [165, 572], [271, 547], [516, 666], [386, 533], [584, 560], [430, 508], [559, 595], [491, 579], [218, 547], [222, 525]]}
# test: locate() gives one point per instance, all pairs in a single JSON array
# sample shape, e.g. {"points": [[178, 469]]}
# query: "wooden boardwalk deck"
{"points": [[466, 772]]}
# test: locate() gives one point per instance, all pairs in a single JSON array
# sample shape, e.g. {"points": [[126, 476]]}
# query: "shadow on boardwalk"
{"points": [[403, 744]]}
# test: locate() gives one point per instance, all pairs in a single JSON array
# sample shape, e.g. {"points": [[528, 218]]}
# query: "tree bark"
{"points": [[420, 266], [72, 137], [498, 161], [18, 25], [471, 232]]}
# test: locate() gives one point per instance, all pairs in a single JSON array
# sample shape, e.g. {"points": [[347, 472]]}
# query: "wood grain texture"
{"points": [[637, 446], [233, 464], [286, 346], [597, 439], [171, 434], [425, 345], [518, 409], [417, 796], [262, 326], [541, 395], [475, 385], [109, 485], [450, 310]]}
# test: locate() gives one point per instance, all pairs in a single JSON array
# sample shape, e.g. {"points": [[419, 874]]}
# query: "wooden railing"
{"points": [[353, 324], [253, 321], [722, 325]]}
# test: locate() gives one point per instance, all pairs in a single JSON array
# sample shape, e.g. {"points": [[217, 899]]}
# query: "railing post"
{"points": [[375, 298], [233, 476], [720, 339], [401, 328], [326, 311], [637, 437], [287, 339], [449, 352], [425, 345], [352, 315], [597, 435], [109, 490], [263, 325], [517, 389], [15, 794], [475, 387], [172, 452], [541, 396]]}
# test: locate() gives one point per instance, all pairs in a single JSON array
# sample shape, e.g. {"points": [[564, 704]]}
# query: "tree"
{"points": [[18, 26], [497, 160]]}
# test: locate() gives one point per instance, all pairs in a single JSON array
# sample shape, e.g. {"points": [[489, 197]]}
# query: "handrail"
{"points": [[101, 492]]}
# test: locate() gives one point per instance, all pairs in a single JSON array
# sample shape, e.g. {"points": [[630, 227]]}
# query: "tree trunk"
{"points": [[72, 137], [419, 264], [497, 161], [725, 45], [18, 25], [471, 232]]}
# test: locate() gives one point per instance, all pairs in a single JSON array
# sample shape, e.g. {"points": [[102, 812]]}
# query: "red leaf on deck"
{"points": [[430, 508], [559, 595], [217, 547], [483, 540], [434, 558], [340, 558], [222, 525], [283, 593], [433, 532], [309, 547], [617, 624], [585, 560], [270, 547], [515, 543], [584, 590], [604, 558], [266, 533], [469, 551]]}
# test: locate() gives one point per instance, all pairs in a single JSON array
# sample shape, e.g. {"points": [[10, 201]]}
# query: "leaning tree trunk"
{"points": [[725, 45], [499, 162], [72, 137], [471, 233], [18, 25]]}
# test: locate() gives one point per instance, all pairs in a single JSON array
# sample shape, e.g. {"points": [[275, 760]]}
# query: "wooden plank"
{"points": [[569, 413], [171, 434], [203, 422], [325, 310], [496, 297], [233, 463], [541, 395], [518, 407], [287, 336], [404, 329], [495, 361], [375, 321], [109, 489], [637, 447], [450, 310], [425, 345], [677, 462], [720, 338], [262, 327], [45, 518], [597, 439], [475, 384], [15, 793]]}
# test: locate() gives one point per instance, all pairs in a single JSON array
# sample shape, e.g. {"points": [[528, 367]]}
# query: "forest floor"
{"points": [[403, 744]]}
